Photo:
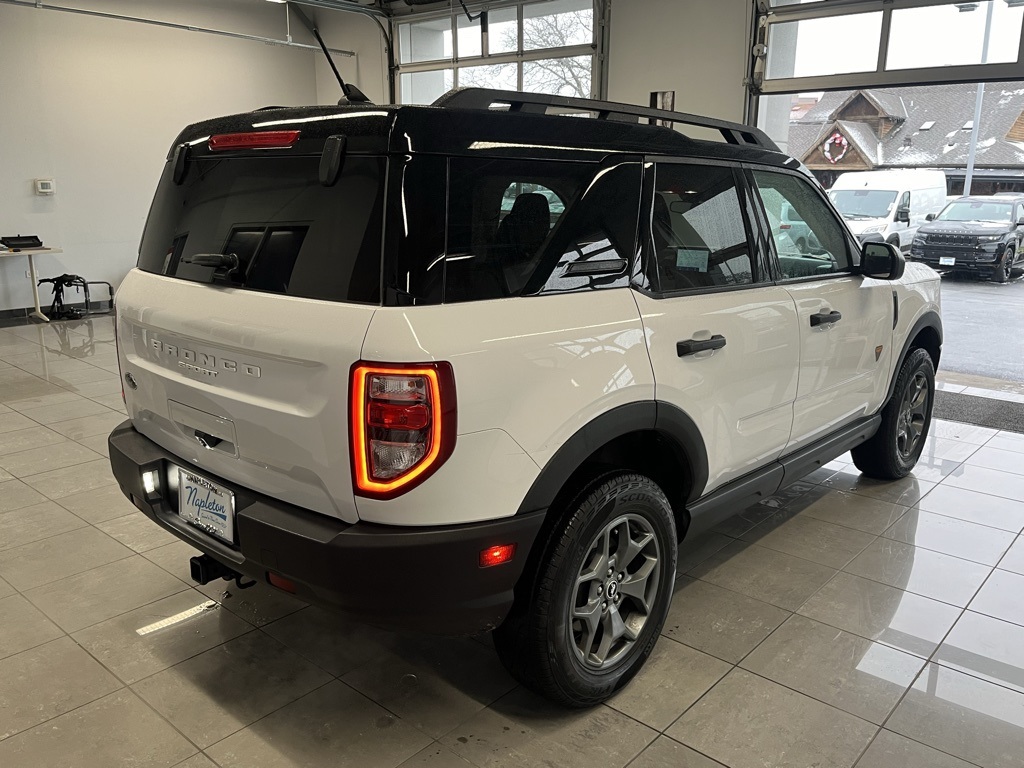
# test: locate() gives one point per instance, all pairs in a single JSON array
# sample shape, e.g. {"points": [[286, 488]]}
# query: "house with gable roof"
{"points": [[915, 127]]}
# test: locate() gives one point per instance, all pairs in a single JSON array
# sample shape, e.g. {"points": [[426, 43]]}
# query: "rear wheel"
{"points": [[600, 594], [1003, 272], [896, 447]]}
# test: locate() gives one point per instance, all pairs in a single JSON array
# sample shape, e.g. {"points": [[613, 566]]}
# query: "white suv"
{"points": [[352, 374]]}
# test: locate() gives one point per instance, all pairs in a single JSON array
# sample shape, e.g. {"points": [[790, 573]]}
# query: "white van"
{"points": [[892, 204]]}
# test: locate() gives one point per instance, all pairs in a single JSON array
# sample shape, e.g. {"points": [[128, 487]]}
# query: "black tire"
{"points": [[896, 447], [895, 241], [1002, 273], [541, 644]]}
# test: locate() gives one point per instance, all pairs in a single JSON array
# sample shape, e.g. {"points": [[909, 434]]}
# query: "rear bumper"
{"points": [[426, 579]]}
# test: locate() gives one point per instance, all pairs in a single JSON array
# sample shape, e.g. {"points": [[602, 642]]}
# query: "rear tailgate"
{"points": [[271, 390]]}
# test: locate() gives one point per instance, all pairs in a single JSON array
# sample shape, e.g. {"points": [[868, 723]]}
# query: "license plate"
{"points": [[206, 505], [947, 261]]}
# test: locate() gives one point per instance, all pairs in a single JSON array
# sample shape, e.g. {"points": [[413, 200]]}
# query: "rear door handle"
{"points": [[825, 318], [693, 346]]}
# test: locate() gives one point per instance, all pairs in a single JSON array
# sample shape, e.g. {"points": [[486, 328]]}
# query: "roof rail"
{"points": [[539, 103]]}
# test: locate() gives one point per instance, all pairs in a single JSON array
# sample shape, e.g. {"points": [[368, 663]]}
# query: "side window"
{"points": [[697, 229], [521, 227], [818, 245]]}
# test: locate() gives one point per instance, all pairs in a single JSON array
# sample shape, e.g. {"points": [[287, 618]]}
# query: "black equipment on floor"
{"points": [[60, 311]]}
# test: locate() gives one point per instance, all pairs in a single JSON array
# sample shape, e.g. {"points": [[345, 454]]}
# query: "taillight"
{"points": [[253, 140], [403, 422]]}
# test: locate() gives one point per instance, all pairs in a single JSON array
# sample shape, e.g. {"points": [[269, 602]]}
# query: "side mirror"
{"points": [[1020, 221], [882, 260], [930, 217], [903, 214]]}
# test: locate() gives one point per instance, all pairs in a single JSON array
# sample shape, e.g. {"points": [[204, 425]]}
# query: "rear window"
{"points": [[281, 229]]}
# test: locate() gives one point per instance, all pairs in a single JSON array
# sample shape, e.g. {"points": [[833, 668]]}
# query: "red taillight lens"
{"points": [[253, 140], [497, 555], [403, 425], [281, 582]]}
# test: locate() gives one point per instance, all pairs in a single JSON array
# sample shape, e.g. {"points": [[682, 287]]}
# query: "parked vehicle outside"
{"points": [[353, 375], [981, 236], [892, 204]]}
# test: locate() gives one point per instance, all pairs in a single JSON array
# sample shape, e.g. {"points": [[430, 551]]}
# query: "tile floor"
{"points": [[844, 622]]}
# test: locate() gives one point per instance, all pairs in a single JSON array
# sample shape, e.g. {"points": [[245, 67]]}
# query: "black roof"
{"points": [[458, 126]]}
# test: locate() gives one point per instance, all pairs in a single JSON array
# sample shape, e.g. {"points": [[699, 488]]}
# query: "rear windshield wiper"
{"points": [[227, 261]]}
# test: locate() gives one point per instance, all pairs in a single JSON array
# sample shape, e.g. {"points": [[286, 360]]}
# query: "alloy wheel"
{"points": [[913, 415]]}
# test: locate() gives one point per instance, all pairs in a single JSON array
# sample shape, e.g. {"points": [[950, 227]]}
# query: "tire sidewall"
{"points": [[632, 494], [918, 361]]}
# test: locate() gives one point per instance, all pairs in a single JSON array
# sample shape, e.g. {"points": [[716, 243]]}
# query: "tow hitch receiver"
{"points": [[205, 569]]}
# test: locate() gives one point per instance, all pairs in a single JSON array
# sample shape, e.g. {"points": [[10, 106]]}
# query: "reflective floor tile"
{"points": [[117, 730], [963, 716], [57, 557], [932, 469], [853, 674], [6, 589], [1002, 597], [890, 750], [764, 574], [96, 443], [718, 621], [212, 695], [11, 421], [1007, 441], [114, 402], [922, 571], [947, 449], [259, 605], [990, 481], [35, 436], [109, 385], [748, 722], [15, 495], [815, 540], [174, 558], [56, 396], [882, 613], [436, 756], [137, 532], [74, 409], [98, 504], [950, 536], [693, 552], [1013, 560], [975, 507], [737, 525], [673, 678], [996, 458], [197, 761], [31, 389], [987, 648], [522, 730], [22, 626], [966, 433], [433, 684], [69, 379], [853, 511], [90, 426], [40, 521], [335, 643], [37, 460], [70, 480], [88, 598], [47, 681], [159, 635], [333, 725], [665, 753], [5, 475], [906, 491]]}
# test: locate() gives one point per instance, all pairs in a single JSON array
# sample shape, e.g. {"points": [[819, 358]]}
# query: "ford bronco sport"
{"points": [[355, 372]]}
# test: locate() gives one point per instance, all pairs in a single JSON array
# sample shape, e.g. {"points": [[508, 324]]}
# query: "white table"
{"points": [[31, 252]]}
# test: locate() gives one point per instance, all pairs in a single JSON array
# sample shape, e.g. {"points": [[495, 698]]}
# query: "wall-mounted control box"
{"points": [[45, 186]]}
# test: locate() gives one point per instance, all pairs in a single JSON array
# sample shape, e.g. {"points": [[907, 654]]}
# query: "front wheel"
{"points": [[594, 609], [896, 447], [1005, 270]]}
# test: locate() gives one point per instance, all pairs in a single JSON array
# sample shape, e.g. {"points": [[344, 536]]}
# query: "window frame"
{"points": [[651, 282], [852, 247], [518, 57]]}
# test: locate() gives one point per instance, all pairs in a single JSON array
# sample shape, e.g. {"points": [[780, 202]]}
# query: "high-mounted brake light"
{"points": [[403, 423], [254, 140]]}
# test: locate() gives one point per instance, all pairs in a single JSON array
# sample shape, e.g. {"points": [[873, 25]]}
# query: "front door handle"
{"points": [[825, 318], [692, 346]]}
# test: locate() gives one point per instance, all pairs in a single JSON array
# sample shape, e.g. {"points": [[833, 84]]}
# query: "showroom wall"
{"points": [[698, 49], [95, 103]]}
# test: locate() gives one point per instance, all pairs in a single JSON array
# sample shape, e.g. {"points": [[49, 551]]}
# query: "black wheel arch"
{"points": [[652, 437], [926, 334]]}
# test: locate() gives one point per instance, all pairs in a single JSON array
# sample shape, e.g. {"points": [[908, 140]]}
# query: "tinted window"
{"points": [[818, 245], [288, 233], [697, 229], [496, 249]]}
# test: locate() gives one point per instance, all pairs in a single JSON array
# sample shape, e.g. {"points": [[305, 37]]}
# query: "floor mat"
{"points": [[980, 411]]}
